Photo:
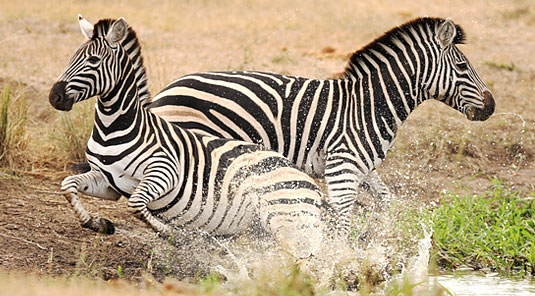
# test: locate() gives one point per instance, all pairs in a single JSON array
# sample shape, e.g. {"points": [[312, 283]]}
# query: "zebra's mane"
{"points": [[397, 32], [133, 48]]}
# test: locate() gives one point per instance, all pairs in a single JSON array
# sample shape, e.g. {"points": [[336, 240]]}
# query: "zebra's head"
{"points": [[93, 69], [455, 81]]}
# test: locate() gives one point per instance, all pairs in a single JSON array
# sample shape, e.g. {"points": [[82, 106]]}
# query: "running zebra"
{"points": [[171, 176], [340, 129]]}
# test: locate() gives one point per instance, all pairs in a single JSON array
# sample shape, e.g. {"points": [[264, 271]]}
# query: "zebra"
{"points": [[339, 129], [171, 176]]}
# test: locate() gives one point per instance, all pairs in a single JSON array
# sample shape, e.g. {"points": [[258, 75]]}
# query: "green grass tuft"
{"points": [[13, 118], [495, 231]]}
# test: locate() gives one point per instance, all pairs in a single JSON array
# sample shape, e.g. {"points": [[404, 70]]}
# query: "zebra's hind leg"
{"points": [[92, 183], [297, 227], [148, 190], [300, 236]]}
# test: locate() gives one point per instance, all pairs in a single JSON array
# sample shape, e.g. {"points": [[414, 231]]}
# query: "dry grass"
{"points": [[13, 117], [72, 131]]}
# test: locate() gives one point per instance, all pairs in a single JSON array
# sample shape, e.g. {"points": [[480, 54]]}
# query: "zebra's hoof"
{"points": [[105, 226], [100, 225]]}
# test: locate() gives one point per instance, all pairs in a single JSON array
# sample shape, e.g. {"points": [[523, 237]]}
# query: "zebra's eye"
{"points": [[93, 60], [463, 66]]}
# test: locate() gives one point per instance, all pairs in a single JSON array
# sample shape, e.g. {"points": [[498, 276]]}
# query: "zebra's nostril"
{"points": [[57, 97], [488, 100]]}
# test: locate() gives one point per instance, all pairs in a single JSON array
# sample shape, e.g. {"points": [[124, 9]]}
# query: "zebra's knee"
{"points": [[69, 185]]}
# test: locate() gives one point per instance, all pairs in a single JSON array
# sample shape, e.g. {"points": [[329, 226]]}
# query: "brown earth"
{"points": [[436, 150]]}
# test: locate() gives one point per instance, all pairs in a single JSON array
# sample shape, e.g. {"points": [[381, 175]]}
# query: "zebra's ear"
{"points": [[446, 33], [85, 26], [117, 31]]}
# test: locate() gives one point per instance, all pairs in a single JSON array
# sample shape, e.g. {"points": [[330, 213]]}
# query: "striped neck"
{"points": [[396, 70], [119, 108]]}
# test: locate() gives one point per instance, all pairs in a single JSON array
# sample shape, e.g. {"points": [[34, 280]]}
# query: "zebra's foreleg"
{"points": [[343, 205], [375, 213], [342, 184], [92, 183]]}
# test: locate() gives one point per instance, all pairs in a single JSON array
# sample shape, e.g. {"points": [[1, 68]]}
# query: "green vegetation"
{"points": [[120, 271], [287, 282], [13, 117], [210, 283], [294, 284], [495, 231]]}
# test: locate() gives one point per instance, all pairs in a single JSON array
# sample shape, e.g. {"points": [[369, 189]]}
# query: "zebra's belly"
{"points": [[123, 181]]}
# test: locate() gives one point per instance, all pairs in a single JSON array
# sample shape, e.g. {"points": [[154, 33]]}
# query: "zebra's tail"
{"points": [[80, 168]]}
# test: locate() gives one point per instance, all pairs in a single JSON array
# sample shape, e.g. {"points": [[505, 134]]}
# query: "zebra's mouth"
{"points": [[58, 97], [482, 114]]}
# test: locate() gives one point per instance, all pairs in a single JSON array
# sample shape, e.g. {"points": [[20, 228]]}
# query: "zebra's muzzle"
{"points": [[485, 112], [58, 98]]}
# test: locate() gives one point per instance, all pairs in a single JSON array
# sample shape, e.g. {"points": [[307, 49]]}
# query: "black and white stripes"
{"points": [[171, 176], [343, 128]]}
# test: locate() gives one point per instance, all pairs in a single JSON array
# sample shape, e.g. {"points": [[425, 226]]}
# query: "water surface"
{"points": [[478, 283]]}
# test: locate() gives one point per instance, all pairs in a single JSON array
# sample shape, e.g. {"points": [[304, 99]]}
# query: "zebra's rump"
{"points": [[244, 183]]}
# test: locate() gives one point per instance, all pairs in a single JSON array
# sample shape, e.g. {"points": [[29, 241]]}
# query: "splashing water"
{"points": [[378, 250], [416, 273], [419, 266]]}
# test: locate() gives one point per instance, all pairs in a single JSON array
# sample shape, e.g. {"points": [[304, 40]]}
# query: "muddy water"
{"points": [[476, 283], [462, 282]]}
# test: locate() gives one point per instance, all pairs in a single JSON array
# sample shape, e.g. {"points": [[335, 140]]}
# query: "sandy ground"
{"points": [[436, 150]]}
